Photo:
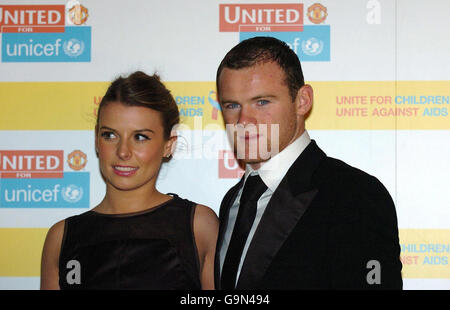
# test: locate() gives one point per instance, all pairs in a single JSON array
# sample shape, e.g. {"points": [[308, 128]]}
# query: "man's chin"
{"points": [[255, 163]]}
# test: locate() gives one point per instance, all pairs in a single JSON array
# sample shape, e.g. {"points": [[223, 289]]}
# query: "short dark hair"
{"points": [[265, 49], [140, 89]]}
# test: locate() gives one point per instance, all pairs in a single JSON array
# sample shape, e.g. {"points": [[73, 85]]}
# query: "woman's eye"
{"points": [[141, 137], [108, 135]]}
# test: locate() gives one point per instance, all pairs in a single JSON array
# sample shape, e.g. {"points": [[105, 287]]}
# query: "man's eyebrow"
{"points": [[252, 99], [227, 101], [263, 96]]}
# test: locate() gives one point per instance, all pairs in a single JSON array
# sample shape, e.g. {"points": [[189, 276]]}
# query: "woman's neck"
{"points": [[118, 201]]}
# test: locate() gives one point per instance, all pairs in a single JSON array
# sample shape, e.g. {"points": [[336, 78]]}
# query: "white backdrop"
{"points": [[398, 49]]}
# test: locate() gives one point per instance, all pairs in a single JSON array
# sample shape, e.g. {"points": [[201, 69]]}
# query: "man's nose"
{"points": [[247, 116]]}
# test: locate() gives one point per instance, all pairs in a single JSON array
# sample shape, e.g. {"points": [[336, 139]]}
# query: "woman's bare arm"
{"points": [[50, 257], [206, 227]]}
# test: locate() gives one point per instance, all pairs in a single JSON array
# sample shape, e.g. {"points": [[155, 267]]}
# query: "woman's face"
{"points": [[130, 144]]}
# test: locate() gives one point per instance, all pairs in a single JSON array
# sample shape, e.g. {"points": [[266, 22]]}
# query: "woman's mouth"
{"points": [[124, 171]]}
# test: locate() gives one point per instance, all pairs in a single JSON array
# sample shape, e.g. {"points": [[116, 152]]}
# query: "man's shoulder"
{"points": [[349, 181], [353, 187], [333, 169]]}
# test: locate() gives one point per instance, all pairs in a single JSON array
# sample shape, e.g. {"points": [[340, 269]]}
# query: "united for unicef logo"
{"points": [[72, 193], [73, 47], [312, 46]]}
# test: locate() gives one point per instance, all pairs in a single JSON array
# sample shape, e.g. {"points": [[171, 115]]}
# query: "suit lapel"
{"points": [[225, 206], [285, 209]]}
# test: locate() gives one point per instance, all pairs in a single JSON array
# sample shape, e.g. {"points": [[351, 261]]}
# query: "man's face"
{"points": [[259, 113]]}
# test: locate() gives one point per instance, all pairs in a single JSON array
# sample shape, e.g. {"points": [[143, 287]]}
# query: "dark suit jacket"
{"points": [[323, 224]]}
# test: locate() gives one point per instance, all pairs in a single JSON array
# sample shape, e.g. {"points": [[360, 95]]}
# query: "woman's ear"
{"points": [[304, 100], [170, 146], [96, 140]]}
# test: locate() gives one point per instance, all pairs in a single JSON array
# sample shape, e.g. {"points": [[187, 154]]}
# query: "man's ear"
{"points": [[304, 100]]}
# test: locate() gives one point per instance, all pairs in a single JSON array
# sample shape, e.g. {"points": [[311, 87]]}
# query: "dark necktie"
{"points": [[253, 189]]}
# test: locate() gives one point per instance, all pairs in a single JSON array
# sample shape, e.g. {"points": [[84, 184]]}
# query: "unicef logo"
{"points": [[73, 47], [72, 193], [312, 46]]}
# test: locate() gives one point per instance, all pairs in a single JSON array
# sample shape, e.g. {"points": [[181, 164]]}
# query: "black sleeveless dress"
{"points": [[151, 249]]}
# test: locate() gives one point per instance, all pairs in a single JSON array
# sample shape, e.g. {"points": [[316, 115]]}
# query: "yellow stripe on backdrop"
{"points": [[425, 252], [21, 250], [338, 105], [49, 105], [381, 105]]}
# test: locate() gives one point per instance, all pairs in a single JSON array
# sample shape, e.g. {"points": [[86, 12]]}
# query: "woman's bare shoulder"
{"points": [[205, 216]]}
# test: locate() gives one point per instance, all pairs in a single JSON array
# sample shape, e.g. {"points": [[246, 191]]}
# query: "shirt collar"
{"points": [[274, 170]]}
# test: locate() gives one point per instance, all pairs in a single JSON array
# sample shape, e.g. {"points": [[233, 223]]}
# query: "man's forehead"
{"points": [[252, 76], [264, 69]]}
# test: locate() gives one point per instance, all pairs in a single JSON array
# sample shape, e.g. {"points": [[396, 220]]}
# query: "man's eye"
{"points": [[232, 106], [108, 135], [262, 102]]}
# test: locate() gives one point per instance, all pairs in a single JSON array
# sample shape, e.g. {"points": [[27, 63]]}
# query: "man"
{"points": [[297, 219]]}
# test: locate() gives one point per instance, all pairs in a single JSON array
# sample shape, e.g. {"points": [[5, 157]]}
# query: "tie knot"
{"points": [[253, 189]]}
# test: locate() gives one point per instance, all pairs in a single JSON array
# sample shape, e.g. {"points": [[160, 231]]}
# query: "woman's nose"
{"points": [[123, 150]]}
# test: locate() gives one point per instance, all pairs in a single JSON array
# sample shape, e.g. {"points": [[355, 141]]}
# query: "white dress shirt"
{"points": [[271, 172]]}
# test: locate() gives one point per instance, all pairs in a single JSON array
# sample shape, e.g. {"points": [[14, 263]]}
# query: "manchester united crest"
{"points": [[77, 160], [78, 14], [317, 13]]}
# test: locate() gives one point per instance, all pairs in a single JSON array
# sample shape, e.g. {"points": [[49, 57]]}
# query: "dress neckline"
{"points": [[130, 214]]}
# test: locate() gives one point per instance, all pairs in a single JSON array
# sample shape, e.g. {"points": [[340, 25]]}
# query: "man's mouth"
{"points": [[249, 137]]}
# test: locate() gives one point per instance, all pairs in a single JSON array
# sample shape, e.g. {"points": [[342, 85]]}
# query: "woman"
{"points": [[137, 237]]}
